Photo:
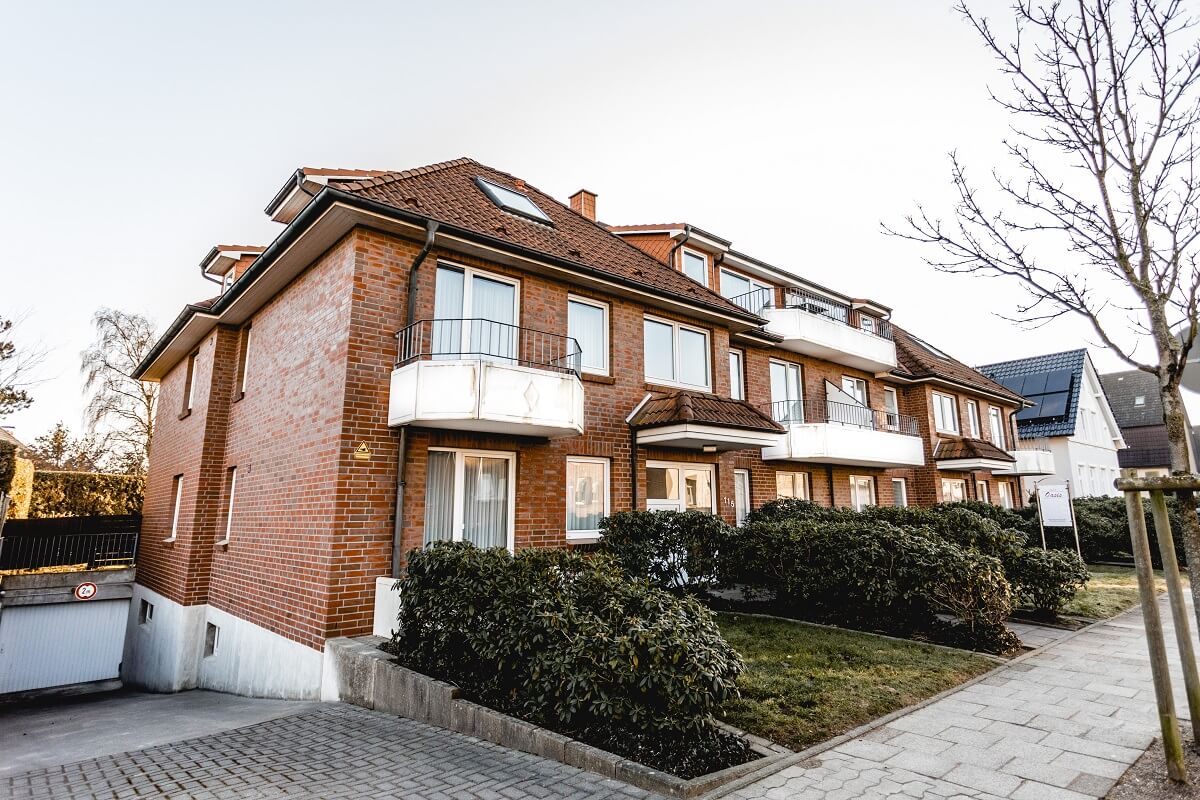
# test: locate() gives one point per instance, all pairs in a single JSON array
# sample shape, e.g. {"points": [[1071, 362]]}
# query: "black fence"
{"points": [[109, 541], [431, 339]]}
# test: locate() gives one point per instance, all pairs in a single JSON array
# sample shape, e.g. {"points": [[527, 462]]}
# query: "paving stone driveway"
{"points": [[331, 751], [1063, 723]]}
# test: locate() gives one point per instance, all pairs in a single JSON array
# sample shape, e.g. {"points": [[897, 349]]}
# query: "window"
{"points": [[739, 286], [587, 497], [243, 360], [1005, 493], [856, 388], [1140, 400], [695, 266], [741, 494], [792, 484], [954, 490], [189, 386], [981, 492], [145, 612], [680, 487], [862, 492], [587, 323], [996, 424], [512, 200], [899, 492], [469, 497], [891, 405], [211, 635], [737, 386], [676, 354], [475, 314], [973, 419], [787, 401], [176, 503], [945, 413], [866, 323], [230, 491]]}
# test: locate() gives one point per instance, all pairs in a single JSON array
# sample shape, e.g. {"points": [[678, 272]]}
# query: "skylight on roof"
{"points": [[929, 347], [511, 200]]}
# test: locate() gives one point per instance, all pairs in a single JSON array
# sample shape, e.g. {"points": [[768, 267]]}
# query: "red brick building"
{"points": [[448, 353]]}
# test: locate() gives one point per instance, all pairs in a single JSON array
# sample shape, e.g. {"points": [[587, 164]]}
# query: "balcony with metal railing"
{"points": [[821, 327], [827, 432], [1030, 460], [489, 376]]}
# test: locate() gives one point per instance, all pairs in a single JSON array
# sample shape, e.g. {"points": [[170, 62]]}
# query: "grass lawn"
{"points": [[1110, 591], [805, 684]]}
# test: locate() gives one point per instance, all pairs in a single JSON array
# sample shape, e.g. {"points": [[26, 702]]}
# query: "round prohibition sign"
{"points": [[85, 591]]}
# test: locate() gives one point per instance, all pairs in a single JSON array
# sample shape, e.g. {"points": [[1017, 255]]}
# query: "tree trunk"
{"points": [[1178, 435]]}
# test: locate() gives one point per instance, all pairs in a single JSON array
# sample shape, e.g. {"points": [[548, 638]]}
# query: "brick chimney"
{"points": [[583, 202]]}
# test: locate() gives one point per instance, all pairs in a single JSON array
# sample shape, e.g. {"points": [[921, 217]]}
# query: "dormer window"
{"points": [[695, 266], [512, 201]]}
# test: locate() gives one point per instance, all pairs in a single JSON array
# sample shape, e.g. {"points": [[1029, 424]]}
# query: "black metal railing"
{"points": [[755, 301], [485, 339], [90, 542], [820, 410], [804, 300]]}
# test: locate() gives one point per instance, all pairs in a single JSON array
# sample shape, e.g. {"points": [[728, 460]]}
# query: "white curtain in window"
{"points": [[585, 323], [734, 285], [693, 358], [585, 495], [786, 401], [659, 351], [448, 311], [492, 307], [485, 501], [439, 497], [697, 489]]}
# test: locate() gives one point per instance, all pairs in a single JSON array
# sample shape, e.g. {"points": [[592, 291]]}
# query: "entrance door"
{"points": [[787, 404], [680, 487]]}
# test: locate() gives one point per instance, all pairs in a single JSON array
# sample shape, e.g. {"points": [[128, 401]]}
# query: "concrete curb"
{"points": [[368, 677], [766, 770]]}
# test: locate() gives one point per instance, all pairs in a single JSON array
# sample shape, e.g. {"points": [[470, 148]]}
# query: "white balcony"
{"points": [[822, 337], [1029, 462], [851, 445], [478, 375]]}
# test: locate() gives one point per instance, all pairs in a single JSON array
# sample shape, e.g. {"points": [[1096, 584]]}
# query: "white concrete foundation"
{"points": [[162, 654], [387, 607]]}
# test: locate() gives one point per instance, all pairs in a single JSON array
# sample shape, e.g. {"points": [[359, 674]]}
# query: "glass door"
{"points": [[475, 315], [787, 402]]}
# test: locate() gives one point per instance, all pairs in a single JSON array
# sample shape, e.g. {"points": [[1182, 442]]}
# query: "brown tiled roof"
{"points": [[916, 361], [969, 448], [674, 408], [447, 193]]}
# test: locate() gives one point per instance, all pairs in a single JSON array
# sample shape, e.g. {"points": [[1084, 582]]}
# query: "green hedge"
{"points": [[8, 466], [567, 641], [85, 494], [673, 550]]}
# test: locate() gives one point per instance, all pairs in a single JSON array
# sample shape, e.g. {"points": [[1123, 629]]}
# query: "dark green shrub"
{"points": [[85, 494], [568, 641], [870, 573], [672, 550], [8, 465], [1046, 579]]}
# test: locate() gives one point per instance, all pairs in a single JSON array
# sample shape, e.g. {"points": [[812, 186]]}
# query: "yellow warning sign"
{"points": [[362, 452]]}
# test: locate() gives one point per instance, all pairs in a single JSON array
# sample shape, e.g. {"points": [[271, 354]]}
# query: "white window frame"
{"points": [[457, 515], [798, 401], [1005, 491], [937, 414], [997, 414], [867, 323], [973, 421], [676, 327], [740, 372], [892, 413], [854, 498], [190, 377], [755, 285], [865, 400], [682, 465], [587, 301], [741, 477], [176, 503], [903, 494], [229, 511], [684, 252], [227, 280], [468, 300], [587, 536], [982, 493], [954, 481], [798, 479], [249, 332]]}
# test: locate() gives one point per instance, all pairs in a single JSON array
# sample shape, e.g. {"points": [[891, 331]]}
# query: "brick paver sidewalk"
{"points": [[333, 751], [1064, 722]]}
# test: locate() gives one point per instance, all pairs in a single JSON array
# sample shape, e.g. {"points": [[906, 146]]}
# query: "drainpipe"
{"points": [[410, 312], [687, 234]]}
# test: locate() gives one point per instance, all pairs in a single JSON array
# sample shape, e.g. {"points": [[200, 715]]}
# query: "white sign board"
{"points": [[1054, 506]]}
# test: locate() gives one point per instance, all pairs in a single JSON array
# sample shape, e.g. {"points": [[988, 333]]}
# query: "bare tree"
{"points": [[121, 408], [16, 364], [1100, 214]]}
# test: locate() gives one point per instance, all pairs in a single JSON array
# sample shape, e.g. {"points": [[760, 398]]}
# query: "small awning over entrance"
{"points": [[966, 455], [700, 421]]}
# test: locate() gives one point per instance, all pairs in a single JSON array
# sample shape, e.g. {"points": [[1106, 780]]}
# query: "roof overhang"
{"points": [[708, 438], [333, 214], [223, 258], [973, 464], [304, 185]]}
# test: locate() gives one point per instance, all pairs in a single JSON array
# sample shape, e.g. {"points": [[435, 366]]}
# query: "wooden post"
{"points": [[1179, 612], [1168, 721]]}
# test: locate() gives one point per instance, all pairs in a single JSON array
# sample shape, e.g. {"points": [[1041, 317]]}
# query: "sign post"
{"points": [[1055, 511]]}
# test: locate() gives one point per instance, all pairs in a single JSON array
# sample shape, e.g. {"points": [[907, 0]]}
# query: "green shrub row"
{"points": [[569, 642], [85, 494]]}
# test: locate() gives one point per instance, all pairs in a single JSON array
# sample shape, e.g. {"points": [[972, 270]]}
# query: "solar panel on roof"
{"points": [[1013, 383], [1054, 405], [1058, 381], [1033, 412], [1035, 383]]}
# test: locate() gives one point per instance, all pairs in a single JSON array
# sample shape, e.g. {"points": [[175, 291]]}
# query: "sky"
{"points": [[137, 135]]}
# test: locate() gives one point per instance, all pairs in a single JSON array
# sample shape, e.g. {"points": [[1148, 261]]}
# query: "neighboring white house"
{"points": [[1069, 415]]}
